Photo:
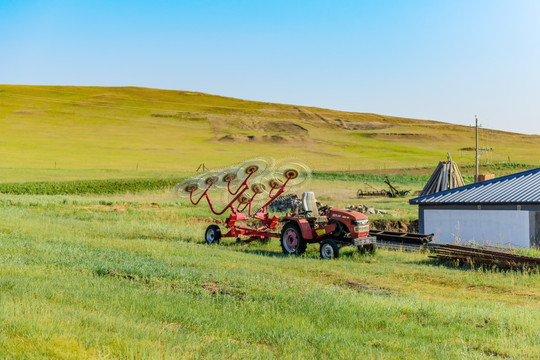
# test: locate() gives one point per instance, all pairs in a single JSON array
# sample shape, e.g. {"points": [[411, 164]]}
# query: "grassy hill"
{"points": [[66, 132]]}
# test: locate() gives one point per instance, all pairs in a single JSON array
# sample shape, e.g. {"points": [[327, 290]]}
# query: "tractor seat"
{"points": [[317, 219], [309, 207]]}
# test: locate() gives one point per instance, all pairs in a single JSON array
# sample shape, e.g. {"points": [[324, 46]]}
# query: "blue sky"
{"points": [[439, 60]]}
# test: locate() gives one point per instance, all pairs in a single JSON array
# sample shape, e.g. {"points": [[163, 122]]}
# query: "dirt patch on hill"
{"points": [[263, 126], [283, 126], [182, 115], [415, 137], [258, 138], [398, 135], [342, 123], [262, 131], [361, 125]]}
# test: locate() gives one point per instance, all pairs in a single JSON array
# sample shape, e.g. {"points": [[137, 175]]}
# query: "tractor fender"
{"points": [[304, 227]]}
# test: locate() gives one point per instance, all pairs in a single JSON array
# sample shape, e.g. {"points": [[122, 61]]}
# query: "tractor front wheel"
{"points": [[212, 234], [329, 249], [292, 241]]}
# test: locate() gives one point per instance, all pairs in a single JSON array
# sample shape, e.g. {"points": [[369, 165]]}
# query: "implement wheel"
{"points": [[292, 241], [212, 234], [329, 249]]}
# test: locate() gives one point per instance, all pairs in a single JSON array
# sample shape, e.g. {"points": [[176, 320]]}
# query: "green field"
{"points": [[99, 260], [127, 277], [66, 133]]}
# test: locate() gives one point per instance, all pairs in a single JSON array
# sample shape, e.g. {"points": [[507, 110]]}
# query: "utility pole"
{"points": [[476, 149]]}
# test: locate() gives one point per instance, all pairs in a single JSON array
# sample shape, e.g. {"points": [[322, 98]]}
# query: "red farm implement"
{"points": [[259, 181]]}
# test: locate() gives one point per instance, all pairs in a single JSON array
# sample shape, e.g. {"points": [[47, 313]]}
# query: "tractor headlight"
{"points": [[361, 229], [360, 222]]}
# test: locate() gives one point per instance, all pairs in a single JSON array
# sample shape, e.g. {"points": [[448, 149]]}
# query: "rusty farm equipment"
{"points": [[372, 191]]}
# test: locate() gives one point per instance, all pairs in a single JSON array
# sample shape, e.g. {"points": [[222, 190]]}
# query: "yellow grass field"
{"points": [[66, 132]]}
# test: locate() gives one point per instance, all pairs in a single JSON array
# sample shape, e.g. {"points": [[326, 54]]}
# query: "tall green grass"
{"points": [[94, 278]]}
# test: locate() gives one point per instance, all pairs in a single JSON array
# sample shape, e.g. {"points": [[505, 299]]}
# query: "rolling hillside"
{"points": [[127, 131], [117, 268]]}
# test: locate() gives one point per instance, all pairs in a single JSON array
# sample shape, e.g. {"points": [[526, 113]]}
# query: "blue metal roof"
{"points": [[519, 188]]}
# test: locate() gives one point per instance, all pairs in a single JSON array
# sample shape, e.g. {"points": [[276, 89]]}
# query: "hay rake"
{"points": [[248, 183]]}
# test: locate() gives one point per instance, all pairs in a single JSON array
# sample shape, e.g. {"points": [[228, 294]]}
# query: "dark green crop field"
{"points": [[81, 187]]}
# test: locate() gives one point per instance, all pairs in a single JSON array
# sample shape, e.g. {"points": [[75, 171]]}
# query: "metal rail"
{"points": [[453, 253], [404, 246], [401, 237], [476, 256]]}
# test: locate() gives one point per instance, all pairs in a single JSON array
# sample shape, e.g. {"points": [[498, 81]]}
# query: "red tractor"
{"points": [[331, 227]]}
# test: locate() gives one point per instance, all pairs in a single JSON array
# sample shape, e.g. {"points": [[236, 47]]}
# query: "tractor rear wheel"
{"points": [[292, 241], [329, 249], [212, 234]]}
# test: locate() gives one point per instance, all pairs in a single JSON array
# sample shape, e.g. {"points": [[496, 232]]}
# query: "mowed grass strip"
{"points": [[81, 279]]}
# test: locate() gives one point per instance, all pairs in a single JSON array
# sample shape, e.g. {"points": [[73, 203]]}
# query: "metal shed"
{"points": [[504, 211]]}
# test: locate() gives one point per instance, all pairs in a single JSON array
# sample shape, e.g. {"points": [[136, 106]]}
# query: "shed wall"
{"points": [[495, 227], [535, 241]]}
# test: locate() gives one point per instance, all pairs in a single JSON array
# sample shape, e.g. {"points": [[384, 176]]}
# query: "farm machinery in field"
{"points": [[393, 192], [252, 186]]}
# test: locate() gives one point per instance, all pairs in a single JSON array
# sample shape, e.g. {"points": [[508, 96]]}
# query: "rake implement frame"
{"points": [[246, 203]]}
